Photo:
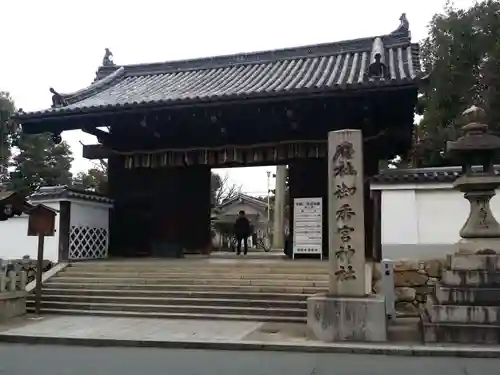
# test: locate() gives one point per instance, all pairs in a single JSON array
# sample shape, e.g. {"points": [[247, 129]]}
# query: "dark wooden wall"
{"points": [[169, 206], [173, 204]]}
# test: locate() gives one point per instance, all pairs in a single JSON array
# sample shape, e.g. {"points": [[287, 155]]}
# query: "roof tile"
{"points": [[63, 191], [422, 175], [308, 69]]}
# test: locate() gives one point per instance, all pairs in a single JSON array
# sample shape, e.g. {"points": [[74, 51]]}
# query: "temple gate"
{"points": [[164, 126]]}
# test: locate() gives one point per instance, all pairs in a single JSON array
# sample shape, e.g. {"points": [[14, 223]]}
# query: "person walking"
{"points": [[241, 232]]}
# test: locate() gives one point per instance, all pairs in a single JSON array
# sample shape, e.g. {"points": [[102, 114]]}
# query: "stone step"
{"points": [[198, 275], [240, 261], [461, 314], [262, 269], [174, 309], [204, 316], [471, 278], [473, 262], [55, 283], [467, 296], [174, 294], [460, 333], [192, 281], [199, 302], [237, 261]]}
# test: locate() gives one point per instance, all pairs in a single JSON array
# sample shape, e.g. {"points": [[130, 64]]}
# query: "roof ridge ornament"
{"points": [[58, 100], [107, 60], [377, 70], [404, 26]]}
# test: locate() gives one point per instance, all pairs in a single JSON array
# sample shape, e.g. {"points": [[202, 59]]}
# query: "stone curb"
{"points": [[398, 350]]}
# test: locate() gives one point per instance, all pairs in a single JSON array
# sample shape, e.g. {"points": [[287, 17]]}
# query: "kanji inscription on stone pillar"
{"points": [[346, 213]]}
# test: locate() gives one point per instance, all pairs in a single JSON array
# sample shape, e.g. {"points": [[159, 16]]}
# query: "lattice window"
{"points": [[88, 243]]}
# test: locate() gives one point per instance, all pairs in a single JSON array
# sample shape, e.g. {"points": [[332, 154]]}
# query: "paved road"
{"points": [[72, 360]]}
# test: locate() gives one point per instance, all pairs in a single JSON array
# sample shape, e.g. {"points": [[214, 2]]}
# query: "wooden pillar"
{"points": [[115, 181], [370, 168], [64, 230], [194, 208], [377, 225]]}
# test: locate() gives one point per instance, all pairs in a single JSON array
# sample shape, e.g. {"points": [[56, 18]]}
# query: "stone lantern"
{"points": [[464, 306], [475, 151]]}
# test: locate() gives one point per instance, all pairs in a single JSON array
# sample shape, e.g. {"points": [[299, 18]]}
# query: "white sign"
{"points": [[308, 226]]}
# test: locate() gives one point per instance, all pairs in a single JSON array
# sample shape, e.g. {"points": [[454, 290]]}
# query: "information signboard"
{"points": [[308, 226]]}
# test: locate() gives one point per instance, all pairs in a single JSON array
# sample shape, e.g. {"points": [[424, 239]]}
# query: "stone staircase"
{"points": [[238, 289], [465, 306]]}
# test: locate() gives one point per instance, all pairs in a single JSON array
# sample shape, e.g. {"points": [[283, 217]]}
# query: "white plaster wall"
{"points": [[399, 215], [90, 215], [422, 221], [441, 215], [15, 243]]}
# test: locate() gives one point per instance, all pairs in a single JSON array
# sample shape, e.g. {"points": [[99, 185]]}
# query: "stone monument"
{"points": [[465, 306], [347, 312]]}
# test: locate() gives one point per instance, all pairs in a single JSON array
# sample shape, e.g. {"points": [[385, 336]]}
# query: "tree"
{"points": [[95, 179], [40, 162], [222, 190], [7, 130], [461, 56]]}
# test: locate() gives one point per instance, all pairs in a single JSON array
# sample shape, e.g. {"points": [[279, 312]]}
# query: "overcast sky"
{"points": [[60, 43]]}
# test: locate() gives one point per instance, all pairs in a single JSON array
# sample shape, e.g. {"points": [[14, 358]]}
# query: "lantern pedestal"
{"points": [[477, 246]]}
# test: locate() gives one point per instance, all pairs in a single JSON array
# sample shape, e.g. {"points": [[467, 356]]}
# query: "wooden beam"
{"points": [[97, 151], [102, 136]]}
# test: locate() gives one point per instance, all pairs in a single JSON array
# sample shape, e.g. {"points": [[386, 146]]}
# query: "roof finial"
{"points": [[108, 58], [404, 25]]}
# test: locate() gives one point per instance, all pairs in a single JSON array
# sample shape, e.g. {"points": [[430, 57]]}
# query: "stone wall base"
{"points": [[12, 304], [333, 318]]}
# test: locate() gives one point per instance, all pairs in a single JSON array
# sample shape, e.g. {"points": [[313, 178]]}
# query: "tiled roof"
{"points": [[421, 175], [243, 197], [62, 191], [318, 68]]}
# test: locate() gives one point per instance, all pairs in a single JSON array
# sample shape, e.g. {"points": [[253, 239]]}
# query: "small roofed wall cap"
{"points": [[15, 201], [477, 146]]}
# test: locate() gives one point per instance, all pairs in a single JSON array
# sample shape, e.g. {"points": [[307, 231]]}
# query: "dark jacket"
{"points": [[242, 227]]}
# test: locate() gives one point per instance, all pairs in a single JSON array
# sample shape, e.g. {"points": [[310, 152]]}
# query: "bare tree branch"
{"points": [[223, 190]]}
